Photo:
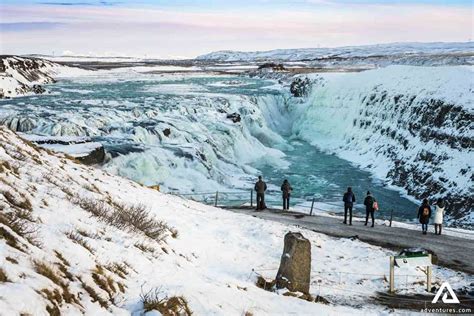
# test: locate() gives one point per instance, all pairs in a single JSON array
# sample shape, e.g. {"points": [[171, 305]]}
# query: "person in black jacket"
{"points": [[424, 214], [286, 192], [369, 208], [260, 187], [349, 199]]}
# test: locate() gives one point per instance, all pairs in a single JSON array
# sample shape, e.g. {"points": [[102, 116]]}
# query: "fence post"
{"points": [[251, 198], [312, 204], [392, 274], [391, 217], [217, 196], [428, 275]]}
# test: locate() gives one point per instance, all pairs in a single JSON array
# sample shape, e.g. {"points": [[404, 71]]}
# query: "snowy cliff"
{"points": [[24, 75], [413, 126]]}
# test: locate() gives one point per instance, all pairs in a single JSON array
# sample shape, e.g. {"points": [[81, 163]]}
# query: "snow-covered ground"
{"points": [[212, 260]]}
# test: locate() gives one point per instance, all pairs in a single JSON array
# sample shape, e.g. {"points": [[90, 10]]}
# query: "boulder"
{"points": [[235, 117], [295, 265]]}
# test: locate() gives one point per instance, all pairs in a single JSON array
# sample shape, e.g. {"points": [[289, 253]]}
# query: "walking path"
{"points": [[452, 252]]}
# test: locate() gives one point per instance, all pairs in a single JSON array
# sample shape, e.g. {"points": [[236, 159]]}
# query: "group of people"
{"points": [[424, 215], [261, 187], [371, 205]]}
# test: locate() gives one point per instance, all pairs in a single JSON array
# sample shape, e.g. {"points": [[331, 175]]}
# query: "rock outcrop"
{"points": [[22, 75], [295, 265], [82, 149]]}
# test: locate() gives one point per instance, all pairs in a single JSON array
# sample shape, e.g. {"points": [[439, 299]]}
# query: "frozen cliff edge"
{"points": [[412, 126]]}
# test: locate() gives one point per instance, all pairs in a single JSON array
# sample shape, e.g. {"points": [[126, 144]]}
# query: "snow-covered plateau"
{"points": [[420, 54], [67, 247]]}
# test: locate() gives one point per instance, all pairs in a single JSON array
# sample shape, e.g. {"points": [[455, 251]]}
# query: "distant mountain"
{"points": [[438, 53]]}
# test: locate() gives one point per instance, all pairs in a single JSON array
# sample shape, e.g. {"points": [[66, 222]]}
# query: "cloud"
{"points": [[75, 3], [28, 26]]}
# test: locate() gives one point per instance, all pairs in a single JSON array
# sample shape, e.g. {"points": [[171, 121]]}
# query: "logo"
{"points": [[446, 287]]}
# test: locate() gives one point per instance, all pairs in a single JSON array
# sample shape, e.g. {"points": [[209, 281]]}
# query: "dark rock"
{"points": [[322, 300], [235, 117], [167, 132], [273, 66], [295, 265], [300, 87], [96, 156], [265, 284], [36, 88]]}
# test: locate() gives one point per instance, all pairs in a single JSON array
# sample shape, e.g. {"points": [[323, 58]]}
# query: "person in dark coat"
{"points": [[369, 208], [349, 200], [424, 214], [286, 192], [260, 187]]}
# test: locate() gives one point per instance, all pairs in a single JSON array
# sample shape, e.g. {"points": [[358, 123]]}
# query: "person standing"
{"points": [[438, 216], [349, 200], [286, 192], [260, 187], [424, 214], [370, 205]]}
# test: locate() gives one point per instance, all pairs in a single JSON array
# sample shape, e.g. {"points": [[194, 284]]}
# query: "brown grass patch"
{"points": [[10, 239], [3, 276], [23, 204], [167, 306], [134, 218], [144, 247], [94, 295], [119, 269], [77, 238]]}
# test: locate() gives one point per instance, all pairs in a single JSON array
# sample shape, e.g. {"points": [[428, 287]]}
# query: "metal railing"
{"points": [[246, 198]]}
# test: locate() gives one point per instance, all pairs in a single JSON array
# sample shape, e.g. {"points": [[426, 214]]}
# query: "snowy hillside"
{"points": [[410, 125], [69, 244], [384, 54], [21, 75]]}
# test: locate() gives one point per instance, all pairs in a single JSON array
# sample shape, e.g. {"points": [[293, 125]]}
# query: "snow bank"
{"points": [[410, 125], [212, 262]]}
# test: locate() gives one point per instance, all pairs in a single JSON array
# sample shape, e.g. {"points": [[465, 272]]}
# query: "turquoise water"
{"points": [[326, 177], [102, 107]]}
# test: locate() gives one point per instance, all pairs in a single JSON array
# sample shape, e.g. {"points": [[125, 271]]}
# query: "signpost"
{"points": [[416, 258]]}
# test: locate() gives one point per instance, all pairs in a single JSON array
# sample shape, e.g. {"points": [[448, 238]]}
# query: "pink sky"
{"points": [[165, 33]]}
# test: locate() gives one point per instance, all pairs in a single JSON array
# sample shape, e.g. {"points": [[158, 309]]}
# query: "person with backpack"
{"points": [[371, 206], [349, 200], [286, 192], [260, 187], [438, 216], [424, 214]]}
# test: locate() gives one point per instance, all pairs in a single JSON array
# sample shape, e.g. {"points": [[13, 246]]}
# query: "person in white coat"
{"points": [[438, 216]]}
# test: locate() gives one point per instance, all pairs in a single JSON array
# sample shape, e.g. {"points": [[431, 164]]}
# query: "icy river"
{"points": [[199, 132]]}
